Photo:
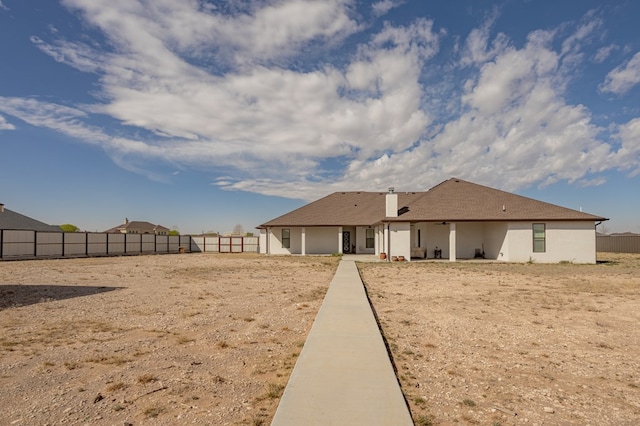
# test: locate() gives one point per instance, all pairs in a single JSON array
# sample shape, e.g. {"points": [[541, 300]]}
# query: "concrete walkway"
{"points": [[343, 375]]}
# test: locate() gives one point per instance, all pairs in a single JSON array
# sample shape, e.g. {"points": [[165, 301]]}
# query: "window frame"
{"points": [[539, 237], [370, 241], [286, 241]]}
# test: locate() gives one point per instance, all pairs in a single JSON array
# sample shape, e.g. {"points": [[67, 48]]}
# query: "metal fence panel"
{"points": [[49, 244], [162, 243], [197, 244], [618, 244], [28, 244], [212, 244], [75, 244], [252, 244], [225, 244], [116, 244], [133, 243], [174, 243], [96, 244], [16, 243]]}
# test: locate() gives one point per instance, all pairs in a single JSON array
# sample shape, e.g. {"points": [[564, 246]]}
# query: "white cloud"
{"points": [[476, 48], [275, 30], [382, 7], [604, 52], [5, 125], [622, 78], [3, 7], [220, 91], [627, 157]]}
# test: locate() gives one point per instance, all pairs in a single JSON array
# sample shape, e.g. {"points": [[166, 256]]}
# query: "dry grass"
{"points": [[206, 324], [469, 337]]}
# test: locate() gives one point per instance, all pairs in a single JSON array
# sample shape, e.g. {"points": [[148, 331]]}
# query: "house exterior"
{"points": [[138, 227], [453, 220], [14, 220]]}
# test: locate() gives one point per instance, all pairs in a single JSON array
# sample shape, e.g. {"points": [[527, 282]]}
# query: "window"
{"points": [[286, 238], [370, 243], [539, 238]]}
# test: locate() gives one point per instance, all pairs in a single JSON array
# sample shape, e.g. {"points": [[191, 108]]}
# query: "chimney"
{"points": [[1, 207], [392, 203], [126, 220]]}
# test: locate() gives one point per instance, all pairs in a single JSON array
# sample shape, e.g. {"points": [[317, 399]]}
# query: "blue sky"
{"points": [[200, 115]]}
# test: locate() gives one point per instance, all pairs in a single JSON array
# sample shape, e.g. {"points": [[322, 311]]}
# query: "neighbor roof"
{"points": [[13, 220], [137, 225], [453, 200]]}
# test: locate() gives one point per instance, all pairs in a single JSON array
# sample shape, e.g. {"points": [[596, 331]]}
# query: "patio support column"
{"points": [[452, 242], [303, 245], [339, 239]]}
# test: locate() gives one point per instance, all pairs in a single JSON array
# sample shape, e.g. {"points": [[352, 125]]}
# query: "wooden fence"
{"points": [[618, 244], [28, 244]]}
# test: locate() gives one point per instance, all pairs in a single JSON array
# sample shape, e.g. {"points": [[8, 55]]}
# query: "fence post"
{"points": [[35, 243], [1, 242], [107, 243], [62, 243]]}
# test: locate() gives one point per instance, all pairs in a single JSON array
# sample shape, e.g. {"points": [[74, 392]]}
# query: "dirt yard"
{"points": [[504, 344], [168, 339], [212, 339]]}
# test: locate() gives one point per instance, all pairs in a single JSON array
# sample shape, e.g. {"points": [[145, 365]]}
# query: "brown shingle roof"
{"points": [[458, 200], [450, 201]]}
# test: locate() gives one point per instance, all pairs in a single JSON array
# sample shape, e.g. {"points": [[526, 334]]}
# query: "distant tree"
{"points": [[249, 234], [238, 230], [603, 229], [67, 227], [174, 232]]}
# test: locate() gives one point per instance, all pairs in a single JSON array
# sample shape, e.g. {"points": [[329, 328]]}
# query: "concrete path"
{"points": [[343, 375]]}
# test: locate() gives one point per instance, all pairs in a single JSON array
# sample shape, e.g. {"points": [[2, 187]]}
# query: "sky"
{"points": [[203, 115]]}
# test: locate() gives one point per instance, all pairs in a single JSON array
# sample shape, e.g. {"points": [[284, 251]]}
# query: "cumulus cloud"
{"points": [[627, 156], [221, 90], [623, 78], [5, 125]]}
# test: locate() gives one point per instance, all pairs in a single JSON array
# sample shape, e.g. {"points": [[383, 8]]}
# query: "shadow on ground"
{"points": [[14, 295]]}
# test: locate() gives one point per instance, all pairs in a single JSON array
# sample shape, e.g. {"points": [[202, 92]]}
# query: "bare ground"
{"points": [[504, 344], [212, 339], [167, 339]]}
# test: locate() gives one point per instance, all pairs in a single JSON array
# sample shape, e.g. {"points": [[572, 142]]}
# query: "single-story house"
{"points": [[138, 227], [455, 219], [10, 219]]}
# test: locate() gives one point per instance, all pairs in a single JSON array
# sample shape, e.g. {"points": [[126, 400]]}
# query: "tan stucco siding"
{"points": [[564, 241]]}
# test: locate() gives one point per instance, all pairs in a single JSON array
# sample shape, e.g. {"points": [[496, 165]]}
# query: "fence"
{"points": [[29, 244], [20, 244], [618, 244], [225, 244]]}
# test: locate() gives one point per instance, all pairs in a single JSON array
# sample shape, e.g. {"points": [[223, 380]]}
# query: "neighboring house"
{"points": [[138, 227], [455, 220], [13, 220]]}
